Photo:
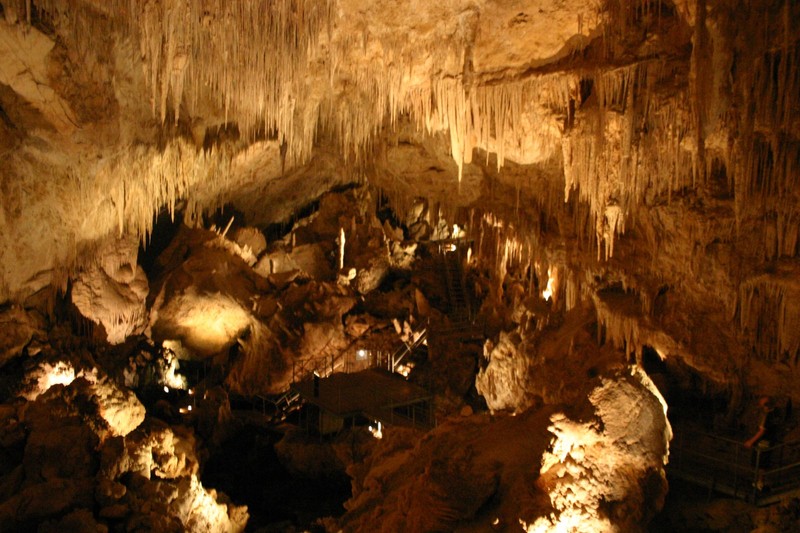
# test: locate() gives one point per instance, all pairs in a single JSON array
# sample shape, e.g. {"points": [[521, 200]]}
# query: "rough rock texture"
{"points": [[252, 238], [607, 473], [18, 328], [89, 459], [161, 489], [503, 383], [112, 291], [658, 124], [626, 171], [119, 409], [603, 470]]}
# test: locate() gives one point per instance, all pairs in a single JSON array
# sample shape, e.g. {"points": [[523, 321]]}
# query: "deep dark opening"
{"points": [[165, 227], [247, 469]]}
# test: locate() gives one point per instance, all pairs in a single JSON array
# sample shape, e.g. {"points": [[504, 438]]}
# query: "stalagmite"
{"points": [[341, 242]]}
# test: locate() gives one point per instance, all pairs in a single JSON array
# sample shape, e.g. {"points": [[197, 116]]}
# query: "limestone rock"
{"points": [[504, 383], [114, 410], [17, 328], [119, 407], [205, 295], [153, 451], [311, 259], [403, 254], [150, 476], [206, 323], [609, 474], [112, 291], [308, 457], [44, 375], [440, 481], [80, 520], [61, 452], [36, 502], [252, 238], [369, 277]]}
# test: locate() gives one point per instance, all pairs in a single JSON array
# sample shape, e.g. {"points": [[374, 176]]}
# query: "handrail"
{"points": [[456, 286], [407, 348], [734, 469]]}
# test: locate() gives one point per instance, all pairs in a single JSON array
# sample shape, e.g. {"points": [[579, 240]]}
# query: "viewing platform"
{"points": [[341, 399]]}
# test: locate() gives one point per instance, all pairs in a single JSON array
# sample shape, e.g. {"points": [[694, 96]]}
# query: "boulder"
{"points": [[91, 396], [504, 382], [252, 238], [370, 277], [112, 290], [78, 521], [17, 328], [25, 510], [605, 468]]}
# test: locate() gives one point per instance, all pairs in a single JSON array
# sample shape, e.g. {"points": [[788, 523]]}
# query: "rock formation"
{"points": [[553, 198]]}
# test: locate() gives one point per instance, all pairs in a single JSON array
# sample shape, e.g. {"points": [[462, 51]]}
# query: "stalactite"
{"points": [[765, 156], [627, 150], [252, 57], [768, 313], [260, 63], [701, 70], [621, 329]]}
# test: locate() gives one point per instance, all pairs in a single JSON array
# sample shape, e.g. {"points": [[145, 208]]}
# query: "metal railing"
{"points": [[406, 348], [453, 271], [760, 474], [351, 359]]}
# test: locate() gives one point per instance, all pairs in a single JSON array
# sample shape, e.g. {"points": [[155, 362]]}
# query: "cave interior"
{"points": [[369, 265]]}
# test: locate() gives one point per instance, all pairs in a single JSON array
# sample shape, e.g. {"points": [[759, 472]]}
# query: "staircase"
{"points": [[406, 348], [286, 403], [324, 367], [461, 326], [453, 272]]}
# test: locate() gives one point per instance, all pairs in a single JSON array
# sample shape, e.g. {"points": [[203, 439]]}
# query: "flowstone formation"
{"points": [[112, 294], [607, 473]]}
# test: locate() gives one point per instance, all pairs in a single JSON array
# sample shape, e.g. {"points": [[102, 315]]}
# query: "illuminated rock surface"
{"points": [[112, 292], [626, 175]]}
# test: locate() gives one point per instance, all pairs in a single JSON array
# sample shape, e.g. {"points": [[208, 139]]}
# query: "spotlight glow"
{"points": [[377, 431], [547, 293]]}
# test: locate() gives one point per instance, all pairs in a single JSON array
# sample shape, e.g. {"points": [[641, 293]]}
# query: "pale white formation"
{"points": [[602, 475], [166, 457], [204, 322], [24, 67], [45, 376], [119, 407], [252, 238], [174, 352], [112, 291], [233, 247], [505, 382]]}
